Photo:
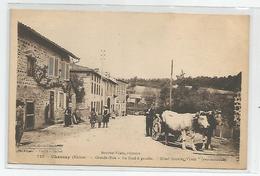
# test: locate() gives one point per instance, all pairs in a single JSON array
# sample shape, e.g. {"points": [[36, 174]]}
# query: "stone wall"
{"points": [[27, 88], [237, 109]]}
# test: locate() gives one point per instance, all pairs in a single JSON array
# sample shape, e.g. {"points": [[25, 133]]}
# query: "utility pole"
{"points": [[102, 84], [171, 85]]}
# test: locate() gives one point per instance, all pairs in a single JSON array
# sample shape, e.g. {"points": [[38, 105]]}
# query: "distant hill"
{"points": [[229, 83], [215, 91]]}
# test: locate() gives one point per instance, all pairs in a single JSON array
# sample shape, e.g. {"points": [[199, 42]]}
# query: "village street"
{"points": [[124, 136]]}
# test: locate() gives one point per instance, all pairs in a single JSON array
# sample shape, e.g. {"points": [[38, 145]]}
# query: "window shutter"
{"points": [[57, 99], [65, 101], [67, 71], [56, 67], [62, 70], [50, 66]]}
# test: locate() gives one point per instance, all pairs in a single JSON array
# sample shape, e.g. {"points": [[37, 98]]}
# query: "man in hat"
{"points": [[19, 128], [149, 120], [105, 117]]}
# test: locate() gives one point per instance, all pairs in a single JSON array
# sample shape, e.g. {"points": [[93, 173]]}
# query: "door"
{"points": [[29, 116], [108, 104], [51, 103]]}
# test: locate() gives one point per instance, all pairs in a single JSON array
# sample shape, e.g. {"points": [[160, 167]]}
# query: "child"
{"points": [[99, 120]]}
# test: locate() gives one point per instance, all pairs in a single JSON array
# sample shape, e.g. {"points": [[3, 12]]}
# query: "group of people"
{"points": [[99, 118], [71, 117]]}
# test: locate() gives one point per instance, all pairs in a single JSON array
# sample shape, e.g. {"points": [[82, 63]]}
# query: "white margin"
{"points": [[204, 6]]}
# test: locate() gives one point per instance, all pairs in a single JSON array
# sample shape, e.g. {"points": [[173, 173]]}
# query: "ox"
{"points": [[186, 124]]}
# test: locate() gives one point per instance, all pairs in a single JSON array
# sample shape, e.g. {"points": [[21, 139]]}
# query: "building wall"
{"points": [[121, 98], [94, 97], [27, 88], [110, 94]]}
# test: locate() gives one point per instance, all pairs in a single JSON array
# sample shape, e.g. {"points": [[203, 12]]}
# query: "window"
{"points": [[51, 66], [56, 67], [92, 88], [30, 66], [91, 105]]}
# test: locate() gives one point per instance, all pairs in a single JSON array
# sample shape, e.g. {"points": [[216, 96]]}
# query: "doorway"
{"points": [[51, 103], [29, 115]]}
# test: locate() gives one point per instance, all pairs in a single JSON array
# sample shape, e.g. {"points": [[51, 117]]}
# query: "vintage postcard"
{"points": [[97, 88]]}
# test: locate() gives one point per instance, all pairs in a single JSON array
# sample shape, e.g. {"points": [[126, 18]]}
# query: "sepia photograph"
{"points": [[128, 89]]}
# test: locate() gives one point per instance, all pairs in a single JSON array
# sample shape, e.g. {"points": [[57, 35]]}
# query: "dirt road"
{"points": [[123, 140]]}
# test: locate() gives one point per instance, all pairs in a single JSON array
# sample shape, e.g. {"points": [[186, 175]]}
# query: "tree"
{"points": [[78, 86]]}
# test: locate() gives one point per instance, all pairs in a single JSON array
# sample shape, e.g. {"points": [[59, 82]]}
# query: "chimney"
{"points": [[96, 69], [107, 74]]}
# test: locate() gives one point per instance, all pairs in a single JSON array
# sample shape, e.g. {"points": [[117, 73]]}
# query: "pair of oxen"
{"points": [[188, 125]]}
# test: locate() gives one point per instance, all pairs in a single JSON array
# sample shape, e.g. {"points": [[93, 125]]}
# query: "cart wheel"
{"points": [[157, 129]]}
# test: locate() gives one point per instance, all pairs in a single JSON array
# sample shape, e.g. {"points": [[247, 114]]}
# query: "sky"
{"points": [[143, 44]]}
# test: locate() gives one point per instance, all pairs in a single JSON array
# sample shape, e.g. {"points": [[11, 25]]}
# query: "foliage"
{"points": [[78, 87], [187, 100], [43, 80], [230, 83]]}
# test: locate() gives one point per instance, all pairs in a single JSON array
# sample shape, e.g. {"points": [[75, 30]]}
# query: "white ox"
{"points": [[185, 123]]}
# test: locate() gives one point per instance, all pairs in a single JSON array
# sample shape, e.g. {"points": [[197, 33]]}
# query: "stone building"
{"points": [[94, 94], [100, 90], [43, 84], [110, 94], [120, 107]]}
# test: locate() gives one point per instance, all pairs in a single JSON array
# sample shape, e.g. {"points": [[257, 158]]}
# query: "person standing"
{"points": [[19, 128], [212, 126], [92, 118], [68, 116], [99, 120], [105, 118], [46, 113], [149, 120]]}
